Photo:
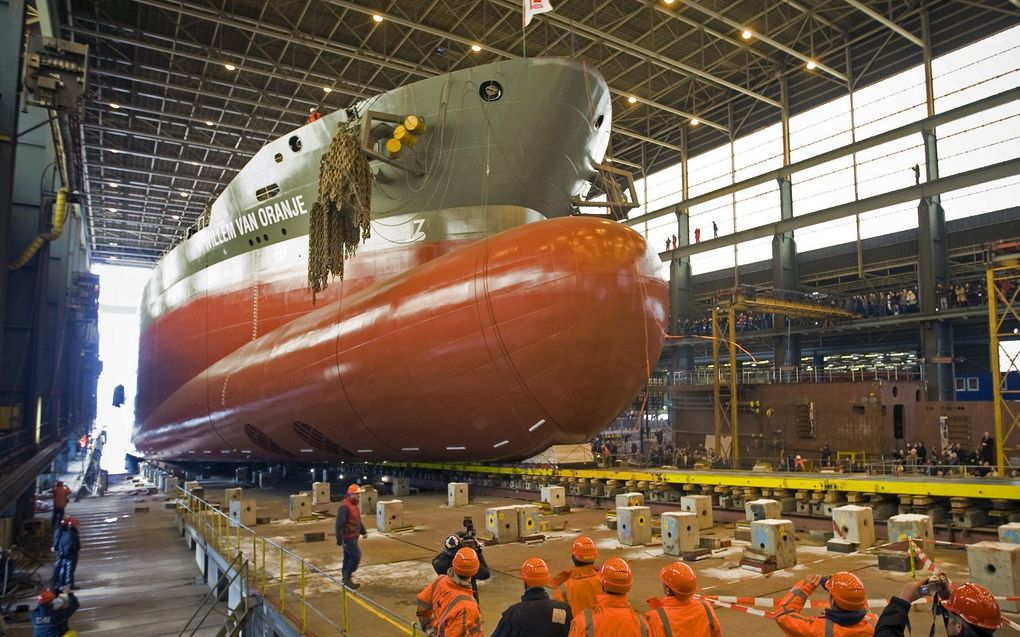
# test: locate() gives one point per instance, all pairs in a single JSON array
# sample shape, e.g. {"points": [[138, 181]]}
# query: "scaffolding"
{"points": [[729, 302], [1003, 280]]}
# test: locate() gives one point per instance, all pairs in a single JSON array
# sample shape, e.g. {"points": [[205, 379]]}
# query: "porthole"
{"points": [[278, 157], [599, 120], [251, 242], [258, 239], [265, 237], [267, 192], [295, 143], [283, 231], [490, 91]]}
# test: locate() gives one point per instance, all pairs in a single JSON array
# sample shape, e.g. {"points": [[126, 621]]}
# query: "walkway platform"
{"points": [[135, 573]]}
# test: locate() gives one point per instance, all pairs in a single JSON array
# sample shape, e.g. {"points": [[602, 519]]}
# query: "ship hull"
{"points": [[497, 349]]}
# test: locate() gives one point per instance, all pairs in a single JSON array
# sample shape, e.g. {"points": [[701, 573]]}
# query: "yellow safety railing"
{"points": [[229, 537]]}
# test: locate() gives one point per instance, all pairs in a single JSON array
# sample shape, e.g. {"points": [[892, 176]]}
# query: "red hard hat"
{"points": [[847, 590], [465, 562], [46, 596], [680, 579], [353, 489], [71, 521], [975, 605], [616, 576], [535, 572], [584, 550]]}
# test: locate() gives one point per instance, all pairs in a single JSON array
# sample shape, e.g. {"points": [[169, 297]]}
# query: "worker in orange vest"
{"points": [[61, 494], [579, 586], [847, 615], [677, 613], [447, 607], [612, 616]]}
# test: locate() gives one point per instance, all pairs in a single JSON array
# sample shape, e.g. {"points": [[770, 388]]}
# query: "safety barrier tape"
{"points": [[926, 562], [773, 602], [737, 607]]}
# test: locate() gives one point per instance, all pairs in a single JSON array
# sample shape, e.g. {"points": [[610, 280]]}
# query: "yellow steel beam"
{"points": [[1003, 268], [856, 483], [775, 305]]}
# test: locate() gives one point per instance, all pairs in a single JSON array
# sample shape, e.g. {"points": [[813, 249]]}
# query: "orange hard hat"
{"points": [[975, 605], [71, 521], [46, 596], [353, 489], [680, 579], [584, 550], [535, 572], [465, 562], [847, 590], [616, 576]]}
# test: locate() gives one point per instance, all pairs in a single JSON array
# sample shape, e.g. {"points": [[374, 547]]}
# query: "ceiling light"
{"points": [[476, 48], [175, 217], [114, 185], [184, 194], [229, 67], [113, 210], [811, 65], [209, 123], [326, 89], [377, 17], [114, 105], [631, 100], [113, 258], [194, 163], [114, 151], [695, 121], [746, 34], [114, 243], [668, 1]]}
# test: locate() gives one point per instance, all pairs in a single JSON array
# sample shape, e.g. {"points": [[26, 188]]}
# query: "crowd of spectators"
{"points": [[953, 459]]}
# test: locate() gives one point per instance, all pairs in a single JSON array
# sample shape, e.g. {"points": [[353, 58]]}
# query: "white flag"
{"points": [[532, 7]]}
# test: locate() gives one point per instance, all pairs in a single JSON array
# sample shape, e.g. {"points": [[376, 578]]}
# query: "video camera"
{"points": [[467, 536]]}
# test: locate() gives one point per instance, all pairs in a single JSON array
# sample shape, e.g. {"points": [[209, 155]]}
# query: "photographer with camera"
{"points": [[968, 611], [847, 615], [443, 561]]}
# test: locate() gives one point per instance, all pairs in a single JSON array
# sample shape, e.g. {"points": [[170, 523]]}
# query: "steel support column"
{"points": [[681, 294], [734, 429], [786, 347], [932, 256], [12, 14]]}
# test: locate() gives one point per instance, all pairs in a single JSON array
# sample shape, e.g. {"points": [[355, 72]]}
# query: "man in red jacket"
{"points": [[61, 494], [348, 527]]}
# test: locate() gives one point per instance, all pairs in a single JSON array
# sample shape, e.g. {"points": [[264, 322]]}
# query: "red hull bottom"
{"points": [[535, 336]]}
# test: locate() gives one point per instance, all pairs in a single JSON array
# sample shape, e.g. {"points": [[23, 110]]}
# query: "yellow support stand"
{"points": [[1002, 308]]}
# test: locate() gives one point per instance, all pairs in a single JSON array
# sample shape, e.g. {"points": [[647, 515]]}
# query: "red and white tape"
{"points": [[926, 562], [738, 607], [773, 602]]}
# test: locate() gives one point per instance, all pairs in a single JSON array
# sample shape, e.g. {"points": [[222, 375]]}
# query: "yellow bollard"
{"points": [[263, 567]]}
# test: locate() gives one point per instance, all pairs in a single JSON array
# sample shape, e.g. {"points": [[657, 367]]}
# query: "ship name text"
{"points": [[255, 220]]}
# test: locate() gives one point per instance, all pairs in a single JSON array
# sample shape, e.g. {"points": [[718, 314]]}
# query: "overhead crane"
{"points": [[742, 299]]}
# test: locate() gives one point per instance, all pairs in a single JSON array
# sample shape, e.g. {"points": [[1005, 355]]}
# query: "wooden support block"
{"points": [[318, 536], [141, 509]]}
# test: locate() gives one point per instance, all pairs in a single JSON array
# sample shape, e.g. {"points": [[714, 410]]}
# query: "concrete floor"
{"points": [[395, 567]]}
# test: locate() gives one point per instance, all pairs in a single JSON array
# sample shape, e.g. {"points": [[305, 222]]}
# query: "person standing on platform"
{"points": [[535, 615], [676, 614], [612, 616], [579, 586], [697, 235], [348, 528], [68, 545], [50, 616], [61, 496], [847, 615], [715, 231], [446, 607]]}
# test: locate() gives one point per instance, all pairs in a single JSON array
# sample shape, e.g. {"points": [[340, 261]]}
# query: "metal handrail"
{"points": [[216, 528]]}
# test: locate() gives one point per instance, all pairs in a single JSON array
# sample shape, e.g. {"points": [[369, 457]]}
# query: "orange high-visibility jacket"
{"points": [[795, 624], [579, 587], [60, 496], [449, 609], [612, 616], [671, 617]]}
